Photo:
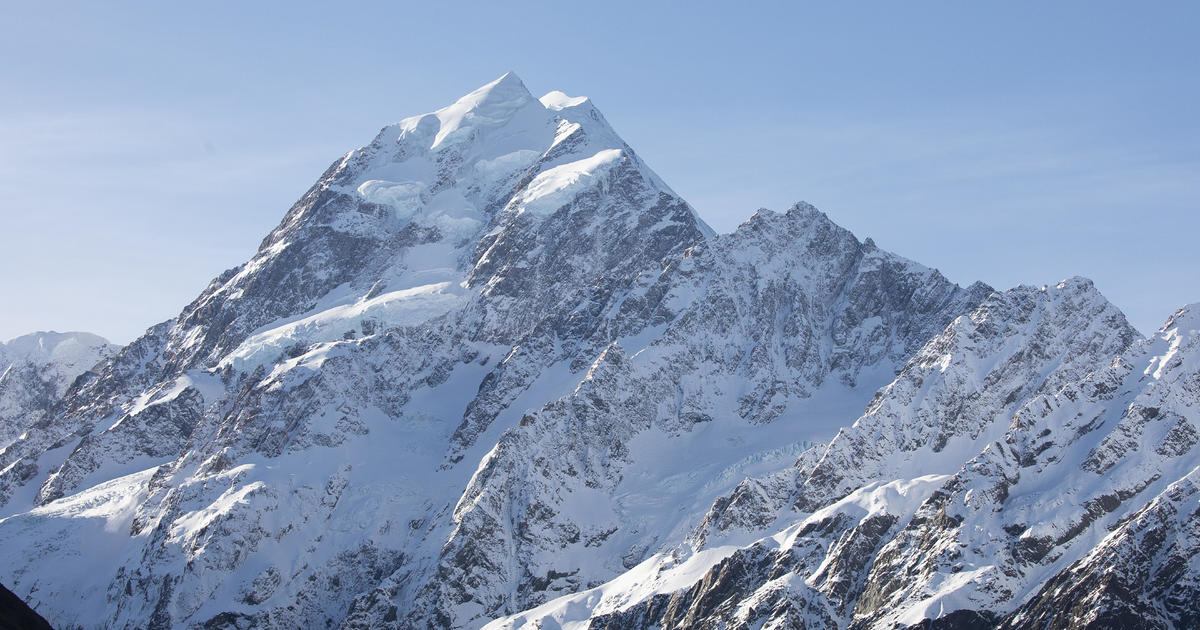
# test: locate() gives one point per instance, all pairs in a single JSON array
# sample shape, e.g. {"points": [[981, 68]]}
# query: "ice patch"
{"points": [[403, 197], [559, 101], [507, 163], [453, 215], [407, 307], [554, 188]]}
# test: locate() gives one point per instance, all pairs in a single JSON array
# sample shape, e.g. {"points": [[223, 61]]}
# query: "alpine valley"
{"points": [[491, 371]]}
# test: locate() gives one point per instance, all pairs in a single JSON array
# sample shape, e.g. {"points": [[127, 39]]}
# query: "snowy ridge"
{"points": [[972, 547], [653, 426], [491, 370]]}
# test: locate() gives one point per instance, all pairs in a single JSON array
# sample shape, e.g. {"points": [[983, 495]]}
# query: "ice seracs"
{"points": [[558, 101], [555, 187]]}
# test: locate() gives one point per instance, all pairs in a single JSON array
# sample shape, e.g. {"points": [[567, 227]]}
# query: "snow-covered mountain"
{"points": [[491, 369], [35, 372]]}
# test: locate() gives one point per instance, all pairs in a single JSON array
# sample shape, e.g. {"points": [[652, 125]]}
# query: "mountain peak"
{"points": [[1076, 283], [510, 76], [1186, 318], [490, 363], [44, 346], [493, 104], [508, 87]]}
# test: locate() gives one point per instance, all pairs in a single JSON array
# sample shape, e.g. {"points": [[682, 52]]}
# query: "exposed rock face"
{"points": [[490, 368], [1077, 512], [766, 329], [15, 615], [1142, 575]]}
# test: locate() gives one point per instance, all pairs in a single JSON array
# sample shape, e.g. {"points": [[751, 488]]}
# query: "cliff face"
{"points": [[15, 615]]}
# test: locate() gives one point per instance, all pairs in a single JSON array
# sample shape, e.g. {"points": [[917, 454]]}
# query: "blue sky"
{"points": [[147, 147]]}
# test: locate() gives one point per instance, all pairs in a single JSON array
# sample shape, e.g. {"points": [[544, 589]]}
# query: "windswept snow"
{"points": [[557, 100], [407, 307], [554, 188]]}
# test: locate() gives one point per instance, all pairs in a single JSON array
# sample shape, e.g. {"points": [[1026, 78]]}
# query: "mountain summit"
{"points": [[492, 105], [490, 369]]}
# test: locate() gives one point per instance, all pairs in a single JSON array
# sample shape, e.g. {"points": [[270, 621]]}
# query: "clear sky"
{"points": [[146, 147]]}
